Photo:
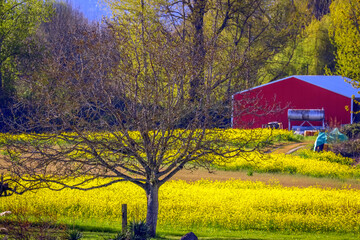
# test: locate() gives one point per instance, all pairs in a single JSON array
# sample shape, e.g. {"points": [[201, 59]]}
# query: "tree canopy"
{"points": [[345, 31], [18, 20]]}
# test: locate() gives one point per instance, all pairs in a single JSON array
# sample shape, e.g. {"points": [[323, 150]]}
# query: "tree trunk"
{"points": [[199, 51], [2, 97], [152, 194]]}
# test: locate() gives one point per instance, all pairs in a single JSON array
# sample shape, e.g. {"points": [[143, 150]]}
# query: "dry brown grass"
{"points": [[283, 179]]}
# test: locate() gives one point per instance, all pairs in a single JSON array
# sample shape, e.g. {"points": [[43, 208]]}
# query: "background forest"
{"points": [[246, 43]]}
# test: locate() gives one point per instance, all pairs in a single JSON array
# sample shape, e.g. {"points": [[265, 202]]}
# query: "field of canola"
{"points": [[325, 164], [232, 136], [233, 205]]}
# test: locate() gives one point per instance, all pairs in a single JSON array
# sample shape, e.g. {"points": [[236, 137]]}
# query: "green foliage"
{"points": [[18, 20], [74, 235], [311, 55], [119, 236], [237, 37], [137, 230], [345, 33], [287, 137], [315, 51]]}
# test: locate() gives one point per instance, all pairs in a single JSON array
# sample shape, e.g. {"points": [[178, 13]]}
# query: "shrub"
{"points": [[19, 225], [120, 236], [137, 230], [351, 130], [350, 149], [73, 235]]}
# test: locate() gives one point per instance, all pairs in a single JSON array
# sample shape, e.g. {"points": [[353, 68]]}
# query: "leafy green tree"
{"points": [[345, 32], [317, 50], [311, 55], [228, 41], [18, 20]]}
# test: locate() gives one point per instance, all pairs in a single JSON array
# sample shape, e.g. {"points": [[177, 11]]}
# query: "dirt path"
{"points": [[282, 179], [292, 147]]}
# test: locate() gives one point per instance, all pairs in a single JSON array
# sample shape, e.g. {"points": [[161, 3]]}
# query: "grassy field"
{"points": [[318, 199], [219, 234]]}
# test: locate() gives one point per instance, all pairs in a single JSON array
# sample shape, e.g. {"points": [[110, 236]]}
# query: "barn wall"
{"points": [[257, 106]]}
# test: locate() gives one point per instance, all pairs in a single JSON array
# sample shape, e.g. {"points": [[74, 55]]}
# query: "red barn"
{"points": [[270, 102]]}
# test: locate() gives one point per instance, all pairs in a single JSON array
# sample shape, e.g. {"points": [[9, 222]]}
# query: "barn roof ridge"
{"points": [[336, 85]]}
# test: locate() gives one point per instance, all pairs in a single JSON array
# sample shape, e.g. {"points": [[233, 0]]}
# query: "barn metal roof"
{"points": [[335, 84]]}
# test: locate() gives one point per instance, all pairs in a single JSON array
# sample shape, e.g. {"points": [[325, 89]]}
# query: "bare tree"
{"points": [[121, 125], [137, 105]]}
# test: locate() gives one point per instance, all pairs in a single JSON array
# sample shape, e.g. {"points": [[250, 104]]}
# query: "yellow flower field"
{"points": [[233, 205], [231, 135], [317, 165]]}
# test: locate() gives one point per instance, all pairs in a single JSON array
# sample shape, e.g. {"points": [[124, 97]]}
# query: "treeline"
{"points": [[328, 43], [54, 59], [44, 46]]}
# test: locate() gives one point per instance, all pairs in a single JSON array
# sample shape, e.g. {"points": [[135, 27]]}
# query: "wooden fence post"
{"points": [[124, 218]]}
